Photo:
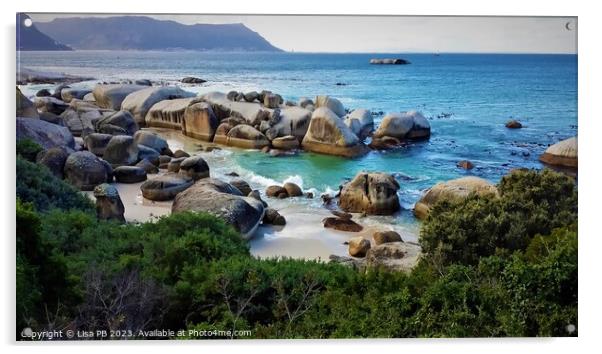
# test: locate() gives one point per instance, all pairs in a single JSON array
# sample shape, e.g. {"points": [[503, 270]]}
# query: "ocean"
{"points": [[466, 97]]}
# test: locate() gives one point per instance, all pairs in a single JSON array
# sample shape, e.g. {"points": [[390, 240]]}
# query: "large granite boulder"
{"points": [[108, 203], [292, 121], [370, 193], [252, 113], [68, 94], [138, 103], [453, 191], [121, 150], [150, 154], [96, 143], [199, 121], [247, 137], [165, 187], [194, 167], [118, 123], [50, 104], [328, 134], [331, 103], [85, 170], [151, 140], [54, 159], [168, 113], [129, 174], [25, 107], [111, 96], [45, 134], [562, 154], [404, 126], [360, 122], [80, 123], [224, 201]]}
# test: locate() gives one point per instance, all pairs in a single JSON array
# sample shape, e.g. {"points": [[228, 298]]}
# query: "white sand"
{"points": [[303, 236]]}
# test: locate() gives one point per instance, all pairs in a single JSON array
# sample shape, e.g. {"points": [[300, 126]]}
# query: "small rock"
{"points": [[341, 214], [129, 174], [342, 224], [465, 164], [108, 203], [386, 236], [513, 124], [276, 191], [273, 217], [180, 153], [292, 190], [358, 247]]}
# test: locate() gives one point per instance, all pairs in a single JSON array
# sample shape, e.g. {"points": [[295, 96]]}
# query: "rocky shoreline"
{"points": [[96, 140]]}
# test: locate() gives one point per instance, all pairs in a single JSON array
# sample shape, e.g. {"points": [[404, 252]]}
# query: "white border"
{"points": [[590, 61]]}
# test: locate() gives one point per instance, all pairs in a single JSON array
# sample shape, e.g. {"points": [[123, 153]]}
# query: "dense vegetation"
{"points": [[492, 267]]}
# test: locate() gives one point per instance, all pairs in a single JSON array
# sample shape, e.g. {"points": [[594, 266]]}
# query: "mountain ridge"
{"points": [[146, 33], [30, 37]]}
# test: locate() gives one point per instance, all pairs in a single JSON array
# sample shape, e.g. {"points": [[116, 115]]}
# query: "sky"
{"points": [[398, 33]]}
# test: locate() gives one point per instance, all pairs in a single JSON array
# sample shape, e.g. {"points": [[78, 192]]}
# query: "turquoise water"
{"points": [[467, 98]]}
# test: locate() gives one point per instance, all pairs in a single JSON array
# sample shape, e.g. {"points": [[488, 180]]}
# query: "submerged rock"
{"points": [[562, 154], [454, 190], [370, 193], [513, 124], [465, 164]]}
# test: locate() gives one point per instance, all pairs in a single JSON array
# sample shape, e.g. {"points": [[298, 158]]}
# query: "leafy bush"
{"points": [[530, 203], [37, 185], [28, 149]]}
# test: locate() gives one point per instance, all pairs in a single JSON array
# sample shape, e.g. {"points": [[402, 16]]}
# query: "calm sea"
{"points": [[467, 97]]}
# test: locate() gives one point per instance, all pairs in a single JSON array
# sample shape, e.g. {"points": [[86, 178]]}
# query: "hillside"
{"points": [[30, 38], [145, 33]]}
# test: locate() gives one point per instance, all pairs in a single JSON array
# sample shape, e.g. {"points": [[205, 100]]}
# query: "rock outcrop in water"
{"points": [[562, 154], [453, 190], [410, 125], [390, 61], [328, 134]]}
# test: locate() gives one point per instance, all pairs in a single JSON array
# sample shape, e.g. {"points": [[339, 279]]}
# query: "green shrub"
{"points": [[28, 149], [37, 185], [530, 203]]}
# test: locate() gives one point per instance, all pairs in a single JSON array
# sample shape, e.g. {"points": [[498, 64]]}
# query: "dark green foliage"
{"points": [[28, 149], [530, 203], [487, 277], [37, 185]]}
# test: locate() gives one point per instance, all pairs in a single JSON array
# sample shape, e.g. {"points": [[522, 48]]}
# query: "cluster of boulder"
{"points": [[252, 120], [109, 146], [385, 249]]}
